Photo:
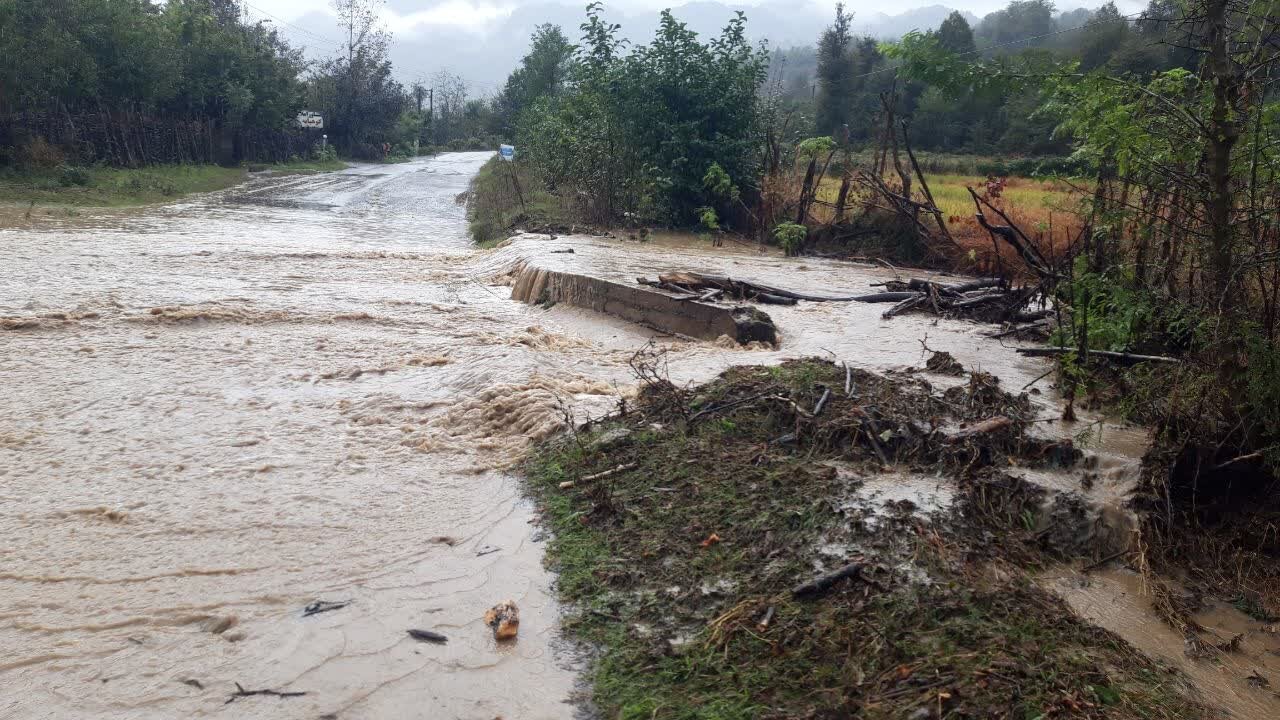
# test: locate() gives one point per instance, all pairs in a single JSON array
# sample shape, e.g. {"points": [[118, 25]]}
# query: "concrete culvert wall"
{"points": [[643, 306]]}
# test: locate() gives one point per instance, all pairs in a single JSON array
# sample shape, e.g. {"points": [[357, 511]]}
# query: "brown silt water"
{"points": [[314, 389]]}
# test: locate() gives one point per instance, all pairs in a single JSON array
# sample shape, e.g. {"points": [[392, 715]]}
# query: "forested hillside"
{"points": [[838, 80]]}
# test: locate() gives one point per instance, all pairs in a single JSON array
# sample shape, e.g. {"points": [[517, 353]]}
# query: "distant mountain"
{"points": [[486, 58], [892, 27]]}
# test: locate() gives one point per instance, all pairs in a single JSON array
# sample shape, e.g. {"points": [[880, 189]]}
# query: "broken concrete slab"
{"points": [[651, 308]]}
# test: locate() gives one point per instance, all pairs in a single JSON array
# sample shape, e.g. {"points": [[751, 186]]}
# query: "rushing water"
{"points": [[313, 388]]}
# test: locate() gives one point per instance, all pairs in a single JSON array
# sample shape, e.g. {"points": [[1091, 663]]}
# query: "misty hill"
{"points": [[485, 58]]}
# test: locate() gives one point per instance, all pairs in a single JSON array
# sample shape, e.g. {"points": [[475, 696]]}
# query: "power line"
{"points": [[299, 28]]}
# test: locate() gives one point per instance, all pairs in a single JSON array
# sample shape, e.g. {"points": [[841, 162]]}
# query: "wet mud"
{"points": [[225, 409], [1239, 680]]}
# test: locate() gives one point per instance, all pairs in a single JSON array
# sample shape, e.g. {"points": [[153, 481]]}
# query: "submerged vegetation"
{"points": [[685, 529]]}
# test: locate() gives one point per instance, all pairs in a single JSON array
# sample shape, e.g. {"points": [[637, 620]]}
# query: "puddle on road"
{"points": [[224, 409]]}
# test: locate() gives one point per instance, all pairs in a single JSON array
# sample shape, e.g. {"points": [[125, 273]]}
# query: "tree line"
{"points": [[134, 82], [839, 81]]}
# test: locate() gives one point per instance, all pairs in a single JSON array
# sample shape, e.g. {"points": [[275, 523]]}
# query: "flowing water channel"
{"points": [[313, 388]]}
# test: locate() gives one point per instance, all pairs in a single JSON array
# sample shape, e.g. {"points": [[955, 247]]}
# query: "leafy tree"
{"points": [[1108, 32], [835, 77], [543, 71], [635, 135], [1021, 20], [955, 35]]}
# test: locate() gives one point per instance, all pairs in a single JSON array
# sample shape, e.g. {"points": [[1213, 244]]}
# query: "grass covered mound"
{"points": [[685, 529]]}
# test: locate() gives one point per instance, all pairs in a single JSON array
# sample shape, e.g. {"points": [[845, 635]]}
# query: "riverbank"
{"points": [[504, 196], [739, 549], [126, 187]]}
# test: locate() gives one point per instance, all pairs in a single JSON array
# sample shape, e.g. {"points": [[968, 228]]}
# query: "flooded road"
{"points": [[314, 388], [220, 411]]}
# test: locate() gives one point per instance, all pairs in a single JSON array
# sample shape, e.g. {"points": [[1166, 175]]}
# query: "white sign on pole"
{"points": [[507, 152], [309, 119]]}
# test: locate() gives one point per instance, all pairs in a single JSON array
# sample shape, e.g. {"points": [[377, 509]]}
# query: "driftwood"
{"points": [[428, 636], [598, 476], [241, 692], [970, 301], [984, 427], [904, 306], [821, 584], [1016, 239], [822, 402], [1121, 358], [321, 606], [692, 282], [873, 436], [1016, 329]]}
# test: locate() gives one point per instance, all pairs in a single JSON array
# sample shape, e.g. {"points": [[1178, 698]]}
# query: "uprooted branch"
{"points": [[747, 290]]}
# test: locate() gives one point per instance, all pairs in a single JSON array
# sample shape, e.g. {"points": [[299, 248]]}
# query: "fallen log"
{"points": [[692, 281], [1122, 358], [920, 285], [768, 299], [978, 299], [978, 284], [821, 584], [984, 427], [822, 402], [904, 306], [1031, 315], [1041, 325], [882, 297]]}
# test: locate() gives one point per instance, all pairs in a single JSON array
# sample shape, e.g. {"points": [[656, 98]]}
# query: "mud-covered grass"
{"points": [[679, 565]]}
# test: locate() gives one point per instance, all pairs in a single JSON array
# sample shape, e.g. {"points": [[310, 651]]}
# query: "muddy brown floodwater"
{"points": [[314, 388]]}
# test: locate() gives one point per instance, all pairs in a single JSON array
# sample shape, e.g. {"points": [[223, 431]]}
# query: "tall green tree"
{"points": [[634, 136], [1022, 20], [1107, 33], [835, 77], [543, 71], [955, 35]]}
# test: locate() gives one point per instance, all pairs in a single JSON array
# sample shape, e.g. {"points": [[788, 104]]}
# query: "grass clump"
{"points": [[679, 563]]}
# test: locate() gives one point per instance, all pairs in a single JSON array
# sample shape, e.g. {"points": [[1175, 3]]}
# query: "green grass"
{"points": [[124, 187], [494, 206], [669, 566]]}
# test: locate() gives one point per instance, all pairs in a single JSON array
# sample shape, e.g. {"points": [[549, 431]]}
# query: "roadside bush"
{"points": [[38, 154], [366, 151], [69, 176], [324, 153]]}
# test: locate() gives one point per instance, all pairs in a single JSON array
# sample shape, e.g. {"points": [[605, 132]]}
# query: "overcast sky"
{"points": [[482, 40]]}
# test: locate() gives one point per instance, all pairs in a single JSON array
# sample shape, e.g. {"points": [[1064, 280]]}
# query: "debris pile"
{"points": [[724, 546], [984, 299]]}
